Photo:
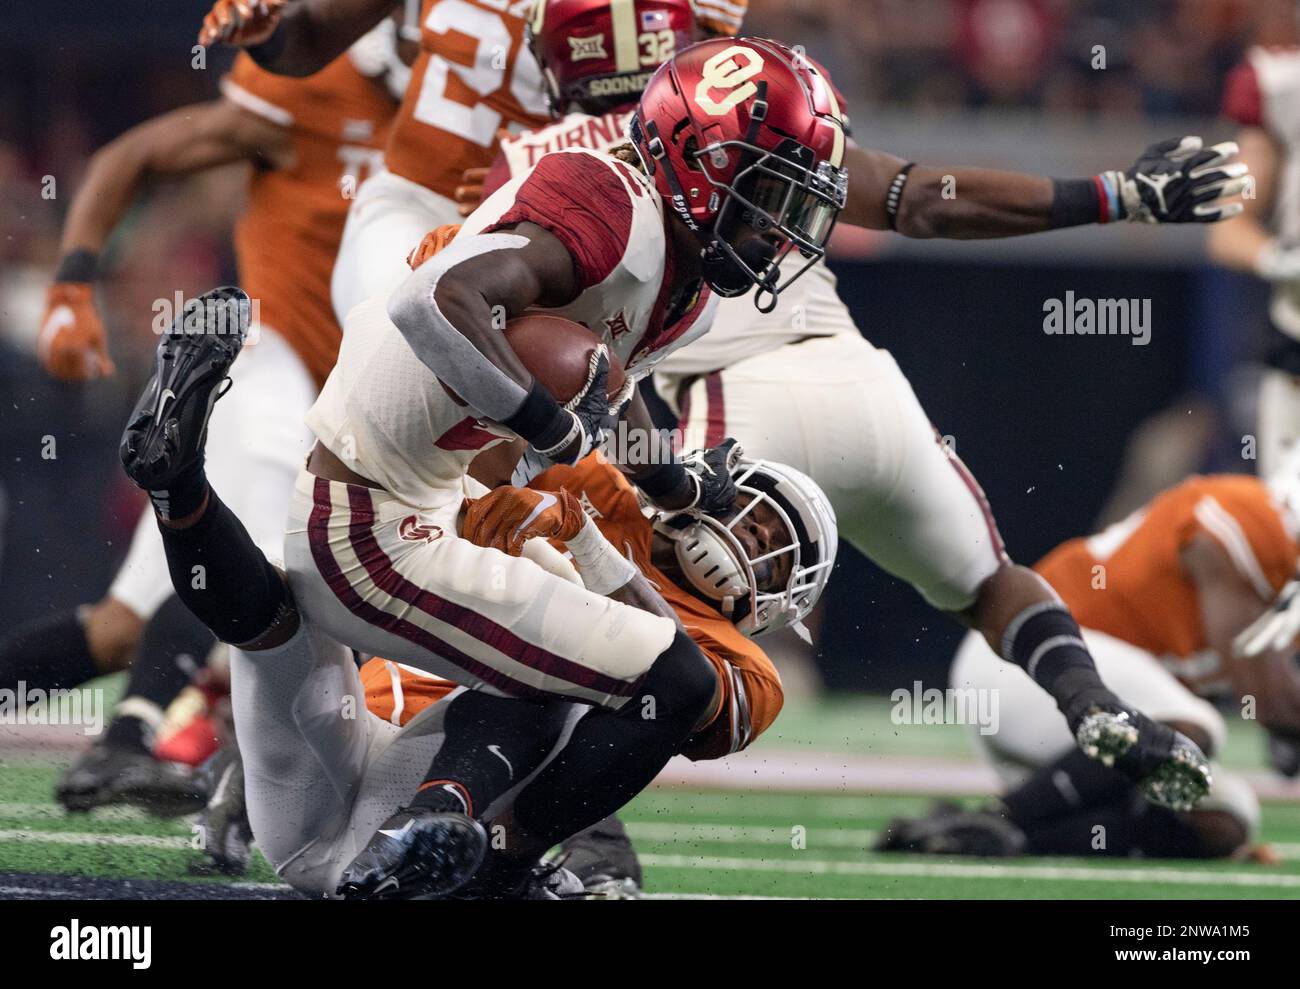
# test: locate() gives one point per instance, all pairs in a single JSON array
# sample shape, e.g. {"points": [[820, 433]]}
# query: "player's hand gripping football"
{"points": [[594, 413], [1180, 181], [715, 491], [72, 345], [507, 517], [242, 23]]}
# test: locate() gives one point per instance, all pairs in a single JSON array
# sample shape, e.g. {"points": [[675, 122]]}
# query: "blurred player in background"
{"points": [[1262, 96], [1170, 600], [309, 144]]}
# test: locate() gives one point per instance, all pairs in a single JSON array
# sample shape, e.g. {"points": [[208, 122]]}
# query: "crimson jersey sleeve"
{"points": [[580, 199], [497, 176], [1242, 101]]}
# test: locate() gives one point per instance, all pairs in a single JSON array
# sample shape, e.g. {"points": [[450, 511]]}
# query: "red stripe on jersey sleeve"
{"points": [[1242, 100], [579, 199]]}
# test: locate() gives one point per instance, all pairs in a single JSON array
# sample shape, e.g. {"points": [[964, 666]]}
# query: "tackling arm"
{"points": [[295, 39], [1176, 181]]}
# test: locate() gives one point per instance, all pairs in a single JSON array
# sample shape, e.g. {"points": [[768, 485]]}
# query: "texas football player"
{"points": [[308, 145], [1181, 604]]}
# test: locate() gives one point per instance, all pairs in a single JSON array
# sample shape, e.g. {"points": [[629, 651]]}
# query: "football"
{"points": [[558, 352]]}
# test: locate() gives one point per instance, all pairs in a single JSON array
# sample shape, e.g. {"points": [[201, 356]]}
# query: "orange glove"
{"points": [[242, 23], [71, 344], [434, 241], [508, 517], [470, 191]]}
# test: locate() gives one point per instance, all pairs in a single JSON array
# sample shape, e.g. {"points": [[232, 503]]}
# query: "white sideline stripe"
{"points": [[114, 813], [86, 838], [818, 867], [751, 834]]}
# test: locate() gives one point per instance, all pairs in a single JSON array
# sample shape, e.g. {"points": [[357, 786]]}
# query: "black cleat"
{"points": [[167, 430], [106, 775], [227, 835], [1168, 766], [416, 853], [603, 859], [949, 830]]}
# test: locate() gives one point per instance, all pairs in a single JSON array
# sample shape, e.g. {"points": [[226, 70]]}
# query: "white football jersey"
{"points": [[1264, 91], [384, 412], [808, 308]]}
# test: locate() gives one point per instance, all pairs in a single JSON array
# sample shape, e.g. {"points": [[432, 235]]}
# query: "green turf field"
{"points": [[759, 841]]}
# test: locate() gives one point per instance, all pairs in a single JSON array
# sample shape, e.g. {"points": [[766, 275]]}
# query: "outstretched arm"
{"points": [[1176, 181], [191, 139], [292, 39]]}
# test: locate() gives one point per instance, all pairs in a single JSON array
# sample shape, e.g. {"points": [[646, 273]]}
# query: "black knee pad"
{"points": [[681, 683]]}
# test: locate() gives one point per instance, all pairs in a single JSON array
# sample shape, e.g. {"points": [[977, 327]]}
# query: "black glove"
{"points": [[1179, 181], [593, 415], [715, 491]]}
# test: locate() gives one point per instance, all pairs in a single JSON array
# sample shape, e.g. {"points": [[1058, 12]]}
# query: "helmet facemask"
{"points": [[714, 560]]}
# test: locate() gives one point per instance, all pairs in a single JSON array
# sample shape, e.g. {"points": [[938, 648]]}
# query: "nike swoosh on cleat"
{"points": [[496, 751], [399, 832]]}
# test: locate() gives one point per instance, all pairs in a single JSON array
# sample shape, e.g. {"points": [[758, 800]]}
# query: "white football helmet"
{"points": [[715, 562]]}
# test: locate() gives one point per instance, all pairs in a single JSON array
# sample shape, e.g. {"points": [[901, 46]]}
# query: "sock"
{"points": [[223, 578], [1045, 641], [50, 653], [1119, 830], [491, 743], [1063, 787], [185, 494], [174, 646], [613, 755]]}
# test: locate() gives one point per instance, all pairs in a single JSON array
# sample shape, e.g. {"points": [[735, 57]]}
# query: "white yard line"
{"points": [[946, 870], [88, 838]]}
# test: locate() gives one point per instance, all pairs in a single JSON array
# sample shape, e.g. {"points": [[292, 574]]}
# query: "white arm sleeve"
{"points": [[439, 345]]}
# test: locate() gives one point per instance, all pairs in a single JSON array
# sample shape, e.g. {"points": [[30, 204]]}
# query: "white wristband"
{"points": [[604, 569]]}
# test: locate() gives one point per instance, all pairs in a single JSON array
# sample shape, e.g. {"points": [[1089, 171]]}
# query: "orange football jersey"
{"points": [[751, 694], [287, 238], [473, 77], [1128, 580]]}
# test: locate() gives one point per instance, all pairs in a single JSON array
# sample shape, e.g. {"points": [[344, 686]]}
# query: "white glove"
{"points": [[1278, 262]]}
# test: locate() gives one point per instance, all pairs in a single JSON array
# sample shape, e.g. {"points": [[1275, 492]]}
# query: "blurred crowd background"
{"points": [[1045, 424]]}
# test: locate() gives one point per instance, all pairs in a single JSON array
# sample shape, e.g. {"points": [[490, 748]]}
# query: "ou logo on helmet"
{"points": [[725, 71]]}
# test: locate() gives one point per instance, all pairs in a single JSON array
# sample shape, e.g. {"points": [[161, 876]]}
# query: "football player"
{"points": [[473, 78], [801, 360], [308, 144], [1185, 601], [1262, 96], [480, 759]]}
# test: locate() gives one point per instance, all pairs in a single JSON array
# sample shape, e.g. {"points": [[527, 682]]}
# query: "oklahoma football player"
{"points": [[473, 80], [308, 143], [1186, 601], [935, 529]]}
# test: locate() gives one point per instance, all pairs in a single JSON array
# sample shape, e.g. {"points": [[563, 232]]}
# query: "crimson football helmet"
{"points": [[598, 55], [745, 138]]}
